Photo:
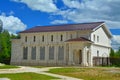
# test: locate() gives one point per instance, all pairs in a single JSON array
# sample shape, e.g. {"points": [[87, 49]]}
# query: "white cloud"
{"points": [[41, 5], [113, 24], [116, 39], [12, 24], [80, 11], [59, 22], [116, 42], [92, 10], [73, 3]]}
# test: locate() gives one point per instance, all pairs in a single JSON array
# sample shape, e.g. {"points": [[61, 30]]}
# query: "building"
{"points": [[71, 44]]}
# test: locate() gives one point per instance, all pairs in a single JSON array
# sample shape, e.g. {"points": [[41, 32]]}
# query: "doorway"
{"points": [[80, 56], [77, 56]]}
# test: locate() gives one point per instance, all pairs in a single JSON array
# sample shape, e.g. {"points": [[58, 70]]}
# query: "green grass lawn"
{"points": [[27, 76], [8, 67], [89, 73]]}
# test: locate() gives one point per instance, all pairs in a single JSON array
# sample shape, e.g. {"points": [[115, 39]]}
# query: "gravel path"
{"points": [[35, 70], [4, 79]]}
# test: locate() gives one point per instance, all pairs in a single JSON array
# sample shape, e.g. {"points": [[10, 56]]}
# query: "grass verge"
{"points": [[27, 76], [8, 67], [89, 73]]}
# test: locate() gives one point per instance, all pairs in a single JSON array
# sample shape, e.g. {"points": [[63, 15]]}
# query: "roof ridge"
{"points": [[70, 24], [65, 27]]}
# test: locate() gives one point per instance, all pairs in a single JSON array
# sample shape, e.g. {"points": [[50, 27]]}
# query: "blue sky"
{"points": [[18, 15]]}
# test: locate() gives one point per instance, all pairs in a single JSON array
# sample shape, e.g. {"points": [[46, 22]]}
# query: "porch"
{"points": [[79, 53]]}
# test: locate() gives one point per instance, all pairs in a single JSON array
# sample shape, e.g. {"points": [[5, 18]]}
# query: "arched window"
{"points": [[26, 39], [34, 38], [97, 53], [42, 53], [25, 52], [61, 53], [94, 37], [71, 36], [33, 53], [97, 38], [43, 38], [51, 37], [51, 53], [61, 38]]}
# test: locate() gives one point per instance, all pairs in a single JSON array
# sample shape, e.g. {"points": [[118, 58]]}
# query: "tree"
{"points": [[118, 53], [5, 51], [15, 36], [112, 53], [1, 25], [0, 43], [5, 46]]}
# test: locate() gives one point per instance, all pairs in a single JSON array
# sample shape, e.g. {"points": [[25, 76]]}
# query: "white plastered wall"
{"points": [[102, 46]]}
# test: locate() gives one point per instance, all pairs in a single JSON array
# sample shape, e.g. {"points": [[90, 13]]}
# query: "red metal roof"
{"points": [[65, 27], [79, 39]]}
